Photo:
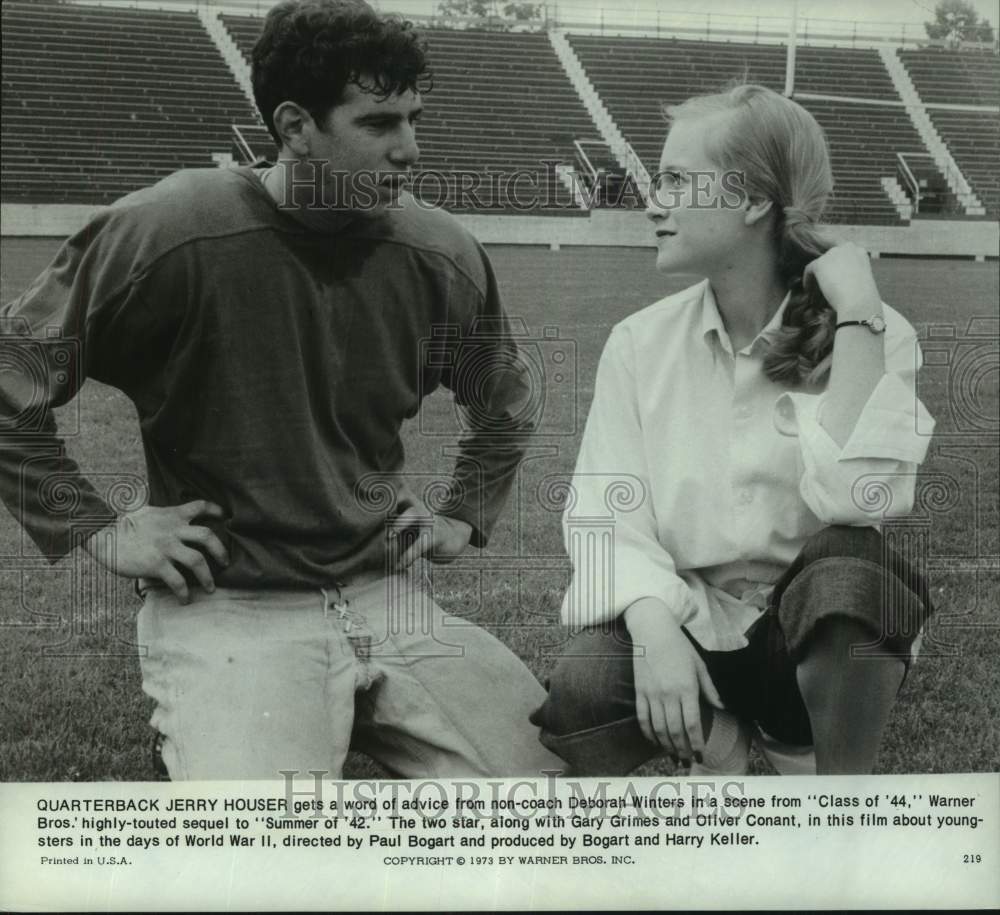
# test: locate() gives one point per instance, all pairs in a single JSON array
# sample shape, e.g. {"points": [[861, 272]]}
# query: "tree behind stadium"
{"points": [[956, 21], [456, 13]]}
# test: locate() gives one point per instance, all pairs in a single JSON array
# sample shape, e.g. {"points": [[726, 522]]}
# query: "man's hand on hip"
{"points": [[158, 543], [438, 537]]}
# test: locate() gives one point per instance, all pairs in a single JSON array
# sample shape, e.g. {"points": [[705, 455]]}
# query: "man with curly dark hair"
{"points": [[274, 328]]}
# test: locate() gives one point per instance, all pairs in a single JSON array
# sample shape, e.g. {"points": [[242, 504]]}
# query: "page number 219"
{"points": [[972, 859]]}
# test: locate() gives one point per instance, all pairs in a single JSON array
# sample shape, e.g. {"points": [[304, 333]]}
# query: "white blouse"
{"points": [[699, 480]]}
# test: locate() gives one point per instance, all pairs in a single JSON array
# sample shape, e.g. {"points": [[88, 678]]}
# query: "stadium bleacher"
{"points": [[500, 104], [863, 138], [970, 78], [973, 139], [954, 77], [852, 72], [98, 102]]}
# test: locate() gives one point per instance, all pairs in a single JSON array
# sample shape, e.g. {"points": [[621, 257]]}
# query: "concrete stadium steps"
{"points": [[973, 139], [244, 30], [864, 140], [500, 102], [635, 77], [972, 133], [954, 77], [100, 101]]}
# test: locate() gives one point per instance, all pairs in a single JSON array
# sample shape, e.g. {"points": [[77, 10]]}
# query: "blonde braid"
{"points": [[800, 351]]}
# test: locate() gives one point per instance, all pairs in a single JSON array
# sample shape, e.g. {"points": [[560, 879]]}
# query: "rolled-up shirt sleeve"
{"points": [[609, 524], [872, 477]]}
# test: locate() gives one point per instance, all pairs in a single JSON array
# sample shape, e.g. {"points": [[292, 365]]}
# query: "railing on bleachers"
{"points": [[501, 105], [635, 77], [961, 91], [926, 188], [605, 183], [252, 143]]}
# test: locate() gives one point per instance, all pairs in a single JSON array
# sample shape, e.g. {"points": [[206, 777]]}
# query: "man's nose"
{"points": [[406, 151]]}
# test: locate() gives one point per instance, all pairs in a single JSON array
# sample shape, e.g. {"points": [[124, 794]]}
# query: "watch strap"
{"points": [[875, 324]]}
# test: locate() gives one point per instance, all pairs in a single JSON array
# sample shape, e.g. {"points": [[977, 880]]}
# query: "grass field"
{"points": [[72, 708]]}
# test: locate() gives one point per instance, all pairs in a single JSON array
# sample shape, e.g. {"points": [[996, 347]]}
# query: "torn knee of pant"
{"points": [[360, 642], [366, 677]]}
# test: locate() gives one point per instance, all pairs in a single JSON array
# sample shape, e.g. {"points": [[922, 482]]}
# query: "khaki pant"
{"points": [[252, 683]]}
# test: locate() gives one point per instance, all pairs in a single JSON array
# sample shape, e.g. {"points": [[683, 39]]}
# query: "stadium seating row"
{"points": [[100, 100], [972, 137], [685, 67], [477, 121], [969, 78], [863, 139]]}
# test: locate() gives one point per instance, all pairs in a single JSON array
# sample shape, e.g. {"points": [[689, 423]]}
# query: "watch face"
{"points": [[876, 324]]}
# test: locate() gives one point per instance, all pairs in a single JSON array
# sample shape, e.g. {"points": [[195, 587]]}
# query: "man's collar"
{"points": [[318, 218]]}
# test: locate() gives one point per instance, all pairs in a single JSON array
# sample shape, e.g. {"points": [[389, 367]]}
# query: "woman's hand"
{"points": [[844, 276], [670, 678]]}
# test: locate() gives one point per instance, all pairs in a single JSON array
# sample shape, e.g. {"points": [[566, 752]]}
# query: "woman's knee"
{"points": [[869, 584], [843, 541], [590, 686]]}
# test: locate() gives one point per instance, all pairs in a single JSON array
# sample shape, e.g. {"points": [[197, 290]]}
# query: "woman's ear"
{"points": [[756, 210], [292, 122]]}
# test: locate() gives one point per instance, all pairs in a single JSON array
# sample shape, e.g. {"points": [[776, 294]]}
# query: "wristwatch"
{"points": [[875, 324]]}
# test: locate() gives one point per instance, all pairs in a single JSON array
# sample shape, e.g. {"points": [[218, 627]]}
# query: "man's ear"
{"points": [[292, 123], [756, 210]]}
